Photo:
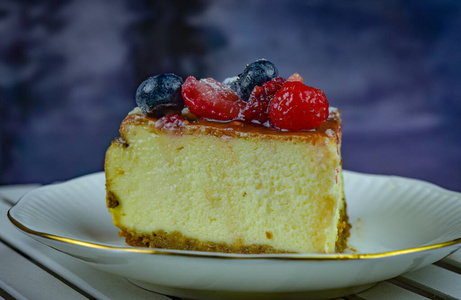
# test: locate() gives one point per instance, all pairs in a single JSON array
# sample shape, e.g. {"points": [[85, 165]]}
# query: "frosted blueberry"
{"points": [[256, 73], [158, 94]]}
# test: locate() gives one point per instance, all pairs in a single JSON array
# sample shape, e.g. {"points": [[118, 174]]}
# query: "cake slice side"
{"points": [[227, 189]]}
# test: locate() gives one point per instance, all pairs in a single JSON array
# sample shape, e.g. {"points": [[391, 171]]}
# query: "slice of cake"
{"points": [[248, 183]]}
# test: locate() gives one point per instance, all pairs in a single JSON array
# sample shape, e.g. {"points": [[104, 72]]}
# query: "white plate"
{"points": [[398, 225]]}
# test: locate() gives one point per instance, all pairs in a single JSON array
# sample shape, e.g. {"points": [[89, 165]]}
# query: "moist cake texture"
{"points": [[227, 187], [249, 181]]}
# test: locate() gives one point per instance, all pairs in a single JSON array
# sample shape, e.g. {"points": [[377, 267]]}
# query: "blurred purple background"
{"points": [[69, 71]]}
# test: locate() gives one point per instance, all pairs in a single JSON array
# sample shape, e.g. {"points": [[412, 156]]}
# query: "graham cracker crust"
{"points": [[176, 240]]}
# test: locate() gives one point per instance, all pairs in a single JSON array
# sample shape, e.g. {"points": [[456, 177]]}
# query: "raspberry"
{"points": [[273, 86], [298, 107], [169, 122], [257, 106], [207, 98]]}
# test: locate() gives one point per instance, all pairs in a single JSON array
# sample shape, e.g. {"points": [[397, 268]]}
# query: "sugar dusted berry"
{"points": [[257, 106], [170, 122], [159, 94], [272, 86], [208, 98], [298, 107], [256, 73], [232, 83]]}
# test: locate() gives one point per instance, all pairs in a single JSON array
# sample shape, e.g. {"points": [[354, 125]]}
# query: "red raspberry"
{"points": [[169, 122], [207, 98], [257, 106], [297, 106], [273, 86]]}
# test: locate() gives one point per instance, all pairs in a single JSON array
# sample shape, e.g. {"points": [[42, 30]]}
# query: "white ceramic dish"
{"points": [[398, 225]]}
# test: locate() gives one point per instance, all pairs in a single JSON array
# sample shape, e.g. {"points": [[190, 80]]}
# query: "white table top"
{"points": [[31, 270]]}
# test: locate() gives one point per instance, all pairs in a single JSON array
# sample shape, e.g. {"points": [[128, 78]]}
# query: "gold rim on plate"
{"points": [[328, 257]]}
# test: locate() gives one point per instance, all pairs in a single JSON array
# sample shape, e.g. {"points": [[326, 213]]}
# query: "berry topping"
{"points": [[159, 94], [256, 73], [295, 77], [232, 83], [271, 87], [257, 95], [257, 106], [298, 107], [207, 98], [170, 122]]}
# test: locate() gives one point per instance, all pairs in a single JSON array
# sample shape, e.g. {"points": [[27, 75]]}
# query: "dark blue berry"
{"points": [[256, 73], [161, 93], [232, 83]]}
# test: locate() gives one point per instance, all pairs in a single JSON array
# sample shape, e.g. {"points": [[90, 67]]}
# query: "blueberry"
{"points": [[256, 73], [232, 83], [158, 94]]}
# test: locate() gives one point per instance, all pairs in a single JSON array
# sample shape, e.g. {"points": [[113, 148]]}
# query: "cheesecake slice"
{"points": [[230, 186]]}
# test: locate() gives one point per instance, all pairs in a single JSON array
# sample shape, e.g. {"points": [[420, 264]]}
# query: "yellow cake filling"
{"points": [[240, 191]]}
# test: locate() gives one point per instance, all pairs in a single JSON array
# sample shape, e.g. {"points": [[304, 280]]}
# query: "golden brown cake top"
{"points": [[330, 129]]}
